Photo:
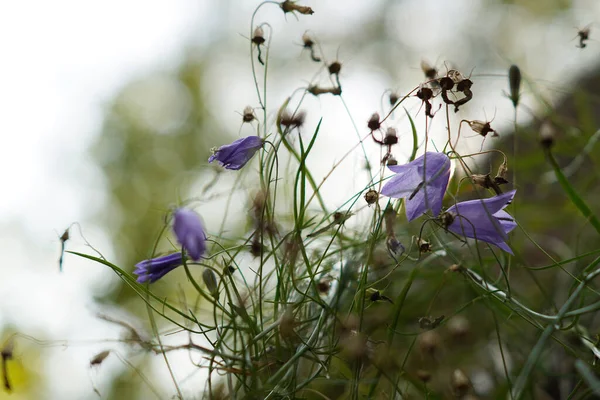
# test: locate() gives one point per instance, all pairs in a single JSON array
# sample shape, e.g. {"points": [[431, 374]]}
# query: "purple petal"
{"points": [[484, 220], [433, 168], [190, 232], [153, 269], [235, 155]]}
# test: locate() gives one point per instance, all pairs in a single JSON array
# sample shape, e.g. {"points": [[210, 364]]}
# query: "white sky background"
{"points": [[63, 60]]}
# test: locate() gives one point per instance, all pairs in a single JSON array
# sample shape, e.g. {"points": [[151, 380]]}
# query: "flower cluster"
{"points": [[422, 184], [190, 234], [187, 226]]}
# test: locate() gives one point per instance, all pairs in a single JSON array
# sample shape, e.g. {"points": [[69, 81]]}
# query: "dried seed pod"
{"points": [[258, 37], [500, 178], [423, 375], [99, 358], [514, 83], [375, 296], [547, 134], [63, 242], [446, 83], [317, 90], [424, 93], [486, 182], [7, 354], [371, 196], [429, 343], [290, 6], [210, 280], [308, 43], [287, 324], [324, 285], [292, 121], [391, 160], [482, 128], [584, 34], [248, 115], [429, 71], [391, 137], [430, 322], [424, 245], [460, 383], [374, 123], [459, 327], [394, 97], [334, 68]]}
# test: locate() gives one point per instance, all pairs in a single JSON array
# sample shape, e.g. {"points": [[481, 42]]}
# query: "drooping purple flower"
{"points": [[422, 183], [237, 154], [483, 220], [155, 268], [190, 232]]}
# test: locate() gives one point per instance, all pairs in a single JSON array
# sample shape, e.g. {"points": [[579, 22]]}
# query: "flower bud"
{"points": [[98, 358], [514, 82], [210, 280]]}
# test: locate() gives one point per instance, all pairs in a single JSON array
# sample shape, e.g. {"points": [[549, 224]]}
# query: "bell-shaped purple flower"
{"points": [[237, 154], [190, 232], [422, 183], [155, 268], [483, 220]]}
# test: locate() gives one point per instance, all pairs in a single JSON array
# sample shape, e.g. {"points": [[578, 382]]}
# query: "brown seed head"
{"points": [[391, 160], [391, 137], [423, 375], [424, 245], [98, 358], [460, 383], [425, 93], [446, 83], [290, 6], [371, 196], [547, 134], [248, 115], [258, 37], [428, 70], [334, 68], [459, 327], [293, 121], [482, 128], [393, 98], [374, 123], [307, 41]]}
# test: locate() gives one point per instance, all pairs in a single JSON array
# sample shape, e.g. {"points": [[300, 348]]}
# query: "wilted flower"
{"points": [[421, 182], [483, 220], [237, 154], [155, 268], [190, 232]]}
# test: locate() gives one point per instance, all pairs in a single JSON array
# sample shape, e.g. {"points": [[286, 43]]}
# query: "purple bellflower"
{"points": [[190, 232], [483, 220], [422, 183], [237, 154], [155, 268]]}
